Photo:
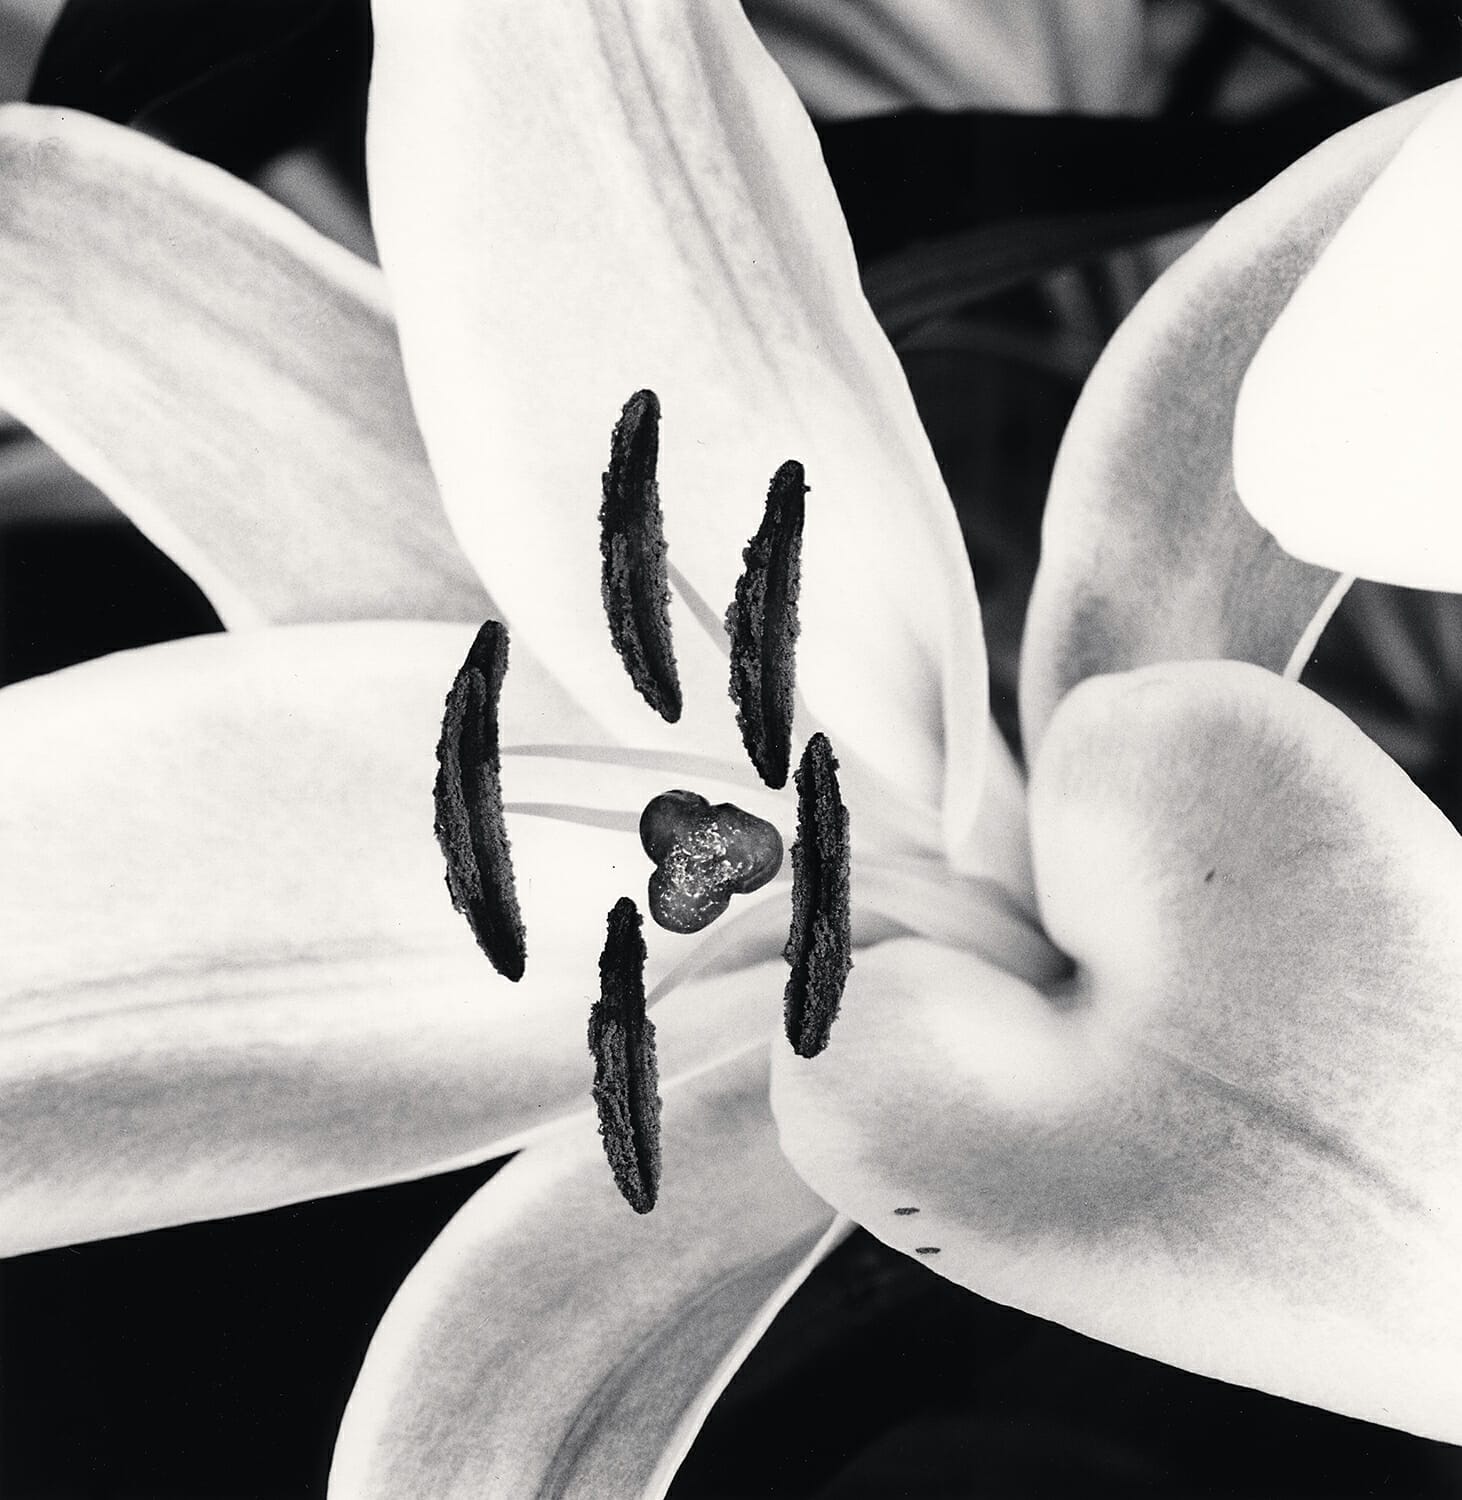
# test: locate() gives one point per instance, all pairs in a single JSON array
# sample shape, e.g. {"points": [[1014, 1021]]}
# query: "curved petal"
{"points": [[1233, 1142], [224, 374], [233, 976], [999, 843], [1147, 554], [628, 196], [1345, 438], [552, 1342], [883, 55]]}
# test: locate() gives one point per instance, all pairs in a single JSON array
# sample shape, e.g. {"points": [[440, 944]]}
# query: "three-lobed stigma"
{"points": [[703, 856]]}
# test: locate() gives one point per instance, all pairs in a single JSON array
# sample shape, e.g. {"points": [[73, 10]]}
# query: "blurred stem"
{"points": [[1318, 54]]}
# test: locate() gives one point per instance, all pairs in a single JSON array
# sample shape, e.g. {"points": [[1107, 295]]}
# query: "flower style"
{"points": [[1186, 1083]]}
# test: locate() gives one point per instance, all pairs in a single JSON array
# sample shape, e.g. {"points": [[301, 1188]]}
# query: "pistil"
{"points": [[703, 856]]}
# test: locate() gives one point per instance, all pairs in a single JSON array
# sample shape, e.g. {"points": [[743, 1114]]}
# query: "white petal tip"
{"points": [[1347, 445]]}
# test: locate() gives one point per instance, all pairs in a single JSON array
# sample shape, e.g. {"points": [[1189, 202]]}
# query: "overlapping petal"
{"points": [[233, 977], [224, 374], [1232, 1141], [883, 55], [1147, 553], [552, 1342], [1345, 442], [626, 196]]}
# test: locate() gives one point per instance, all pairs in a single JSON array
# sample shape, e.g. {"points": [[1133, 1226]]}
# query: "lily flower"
{"points": [[1185, 1082], [236, 979]]}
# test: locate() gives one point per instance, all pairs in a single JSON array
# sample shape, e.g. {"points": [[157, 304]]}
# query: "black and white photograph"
{"points": [[730, 749]]}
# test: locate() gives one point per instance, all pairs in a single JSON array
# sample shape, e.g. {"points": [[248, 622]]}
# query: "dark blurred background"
{"points": [[1000, 250]]}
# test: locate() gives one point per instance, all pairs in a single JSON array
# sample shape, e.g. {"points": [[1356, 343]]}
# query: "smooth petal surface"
{"points": [[233, 976], [1147, 554], [626, 196], [552, 1342], [1234, 1140], [883, 55], [224, 374], [1346, 442]]}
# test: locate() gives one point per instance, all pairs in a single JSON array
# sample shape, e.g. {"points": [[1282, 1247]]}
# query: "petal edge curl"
{"points": [[1234, 1141]]}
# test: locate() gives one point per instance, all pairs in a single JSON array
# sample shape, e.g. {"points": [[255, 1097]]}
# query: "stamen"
{"points": [[820, 944], [632, 544], [703, 856], [626, 1079], [762, 624], [469, 805]]}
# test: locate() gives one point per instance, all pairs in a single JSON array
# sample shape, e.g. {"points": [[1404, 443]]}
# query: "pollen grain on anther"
{"points": [[626, 1077], [634, 575], [762, 625], [469, 805], [820, 943]]}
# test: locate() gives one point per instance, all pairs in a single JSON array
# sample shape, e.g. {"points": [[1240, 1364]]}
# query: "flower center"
{"points": [[703, 856]]}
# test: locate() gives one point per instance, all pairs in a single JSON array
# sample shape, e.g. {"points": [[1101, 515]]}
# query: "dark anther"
{"points": [[762, 624], [469, 801], [926, 1249], [906, 1210], [819, 946], [626, 1080], [632, 543], [703, 856]]}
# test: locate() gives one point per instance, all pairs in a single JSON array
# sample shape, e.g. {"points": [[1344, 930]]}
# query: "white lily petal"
{"points": [[224, 374], [233, 976], [998, 846], [1147, 553], [552, 1342], [883, 55], [631, 196], [1234, 1141], [1346, 438]]}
